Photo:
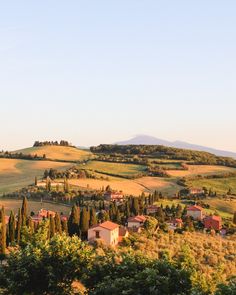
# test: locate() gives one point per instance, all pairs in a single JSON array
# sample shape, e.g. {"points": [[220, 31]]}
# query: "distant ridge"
{"points": [[150, 140]]}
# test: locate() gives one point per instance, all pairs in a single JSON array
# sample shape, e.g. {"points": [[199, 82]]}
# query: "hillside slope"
{"points": [[150, 140], [58, 153]]}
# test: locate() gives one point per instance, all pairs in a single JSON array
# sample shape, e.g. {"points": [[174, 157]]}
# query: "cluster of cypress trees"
{"points": [[80, 220], [21, 225]]}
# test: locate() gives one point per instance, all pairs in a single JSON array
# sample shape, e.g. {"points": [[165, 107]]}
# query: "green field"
{"points": [[118, 169], [220, 185], [58, 153], [16, 174], [11, 204]]}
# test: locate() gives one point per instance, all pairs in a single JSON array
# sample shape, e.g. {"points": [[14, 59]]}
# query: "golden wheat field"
{"points": [[15, 174], [200, 169], [128, 186], [58, 153]]}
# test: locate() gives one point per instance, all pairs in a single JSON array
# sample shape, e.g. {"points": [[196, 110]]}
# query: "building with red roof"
{"points": [[107, 231], [151, 209], [196, 212], [136, 221], [114, 196], [213, 222]]}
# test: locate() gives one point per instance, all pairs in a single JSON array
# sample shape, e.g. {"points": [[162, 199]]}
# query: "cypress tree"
{"points": [[84, 223], [73, 222], [51, 226], [93, 217], [3, 238], [135, 206], [64, 226], [30, 224], [35, 181], [12, 228], [18, 228], [58, 224], [24, 211], [234, 218]]}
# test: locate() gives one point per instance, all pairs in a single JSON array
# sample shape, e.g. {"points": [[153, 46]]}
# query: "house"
{"points": [[151, 209], [107, 231], [46, 213], [196, 212], [196, 191], [136, 222], [213, 222], [113, 196], [175, 223]]}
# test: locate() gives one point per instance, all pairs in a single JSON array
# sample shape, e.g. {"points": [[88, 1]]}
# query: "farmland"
{"points": [[15, 174], [200, 170], [11, 204], [125, 170], [57, 153]]}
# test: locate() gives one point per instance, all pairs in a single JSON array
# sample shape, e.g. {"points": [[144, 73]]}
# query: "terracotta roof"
{"points": [[107, 225], [138, 218], [194, 208], [178, 220], [214, 217]]}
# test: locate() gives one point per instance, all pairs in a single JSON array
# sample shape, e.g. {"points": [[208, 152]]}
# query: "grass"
{"points": [[15, 174], [58, 153], [220, 185], [11, 204], [200, 170], [118, 169]]}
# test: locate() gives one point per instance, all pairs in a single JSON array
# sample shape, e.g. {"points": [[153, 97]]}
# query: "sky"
{"points": [[94, 72]]}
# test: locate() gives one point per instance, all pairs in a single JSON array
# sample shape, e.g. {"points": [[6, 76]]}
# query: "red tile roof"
{"points": [[214, 217], [194, 208], [138, 218], [107, 225]]}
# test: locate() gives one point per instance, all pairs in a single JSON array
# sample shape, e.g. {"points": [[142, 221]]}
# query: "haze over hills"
{"points": [[150, 140]]}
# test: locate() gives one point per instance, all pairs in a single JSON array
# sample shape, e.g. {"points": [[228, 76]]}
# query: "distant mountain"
{"points": [[150, 140]]}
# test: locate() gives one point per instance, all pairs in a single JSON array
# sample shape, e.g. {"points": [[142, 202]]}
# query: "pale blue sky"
{"points": [[99, 71]]}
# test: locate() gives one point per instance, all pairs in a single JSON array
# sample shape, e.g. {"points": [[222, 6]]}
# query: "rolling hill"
{"points": [[150, 140], [62, 153]]}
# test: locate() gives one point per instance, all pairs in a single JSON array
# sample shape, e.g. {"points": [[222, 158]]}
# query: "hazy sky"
{"points": [[98, 71]]}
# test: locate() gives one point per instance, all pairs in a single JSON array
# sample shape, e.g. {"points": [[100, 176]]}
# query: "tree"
{"points": [[134, 274], [3, 238], [135, 206], [47, 267], [51, 226], [35, 181], [58, 224], [73, 222], [84, 223], [11, 228], [24, 211], [18, 228], [234, 218], [93, 217], [229, 289], [150, 224]]}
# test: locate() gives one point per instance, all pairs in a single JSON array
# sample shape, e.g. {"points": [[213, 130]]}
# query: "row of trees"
{"points": [[45, 143]]}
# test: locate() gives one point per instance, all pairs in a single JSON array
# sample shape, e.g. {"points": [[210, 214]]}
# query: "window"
{"points": [[97, 234]]}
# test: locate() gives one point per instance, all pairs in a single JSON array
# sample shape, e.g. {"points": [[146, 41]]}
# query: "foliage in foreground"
{"points": [[47, 267]]}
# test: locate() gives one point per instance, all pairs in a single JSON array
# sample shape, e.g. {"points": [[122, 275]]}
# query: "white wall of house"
{"points": [[110, 237], [197, 215], [132, 224]]}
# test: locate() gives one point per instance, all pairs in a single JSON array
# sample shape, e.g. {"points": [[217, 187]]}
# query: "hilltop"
{"points": [[53, 152], [150, 140]]}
